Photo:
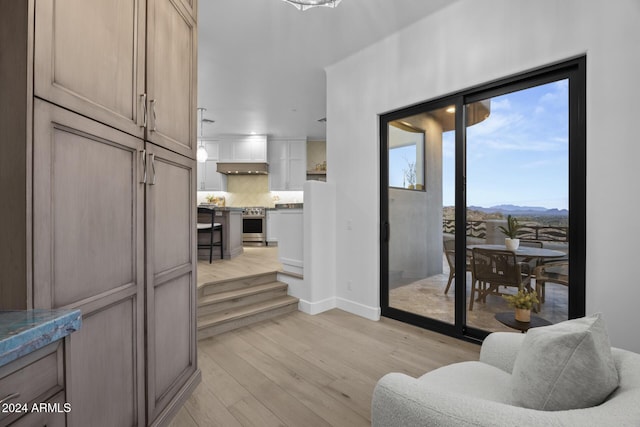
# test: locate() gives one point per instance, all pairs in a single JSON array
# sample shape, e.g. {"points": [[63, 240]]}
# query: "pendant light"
{"points": [[307, 4], [201, 154]]}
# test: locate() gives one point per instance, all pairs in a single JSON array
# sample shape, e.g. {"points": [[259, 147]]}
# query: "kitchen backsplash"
{"points": [[244, 191]]}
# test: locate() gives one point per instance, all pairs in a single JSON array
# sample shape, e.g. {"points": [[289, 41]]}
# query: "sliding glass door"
{"points": [[421, 161], [453, 170]]}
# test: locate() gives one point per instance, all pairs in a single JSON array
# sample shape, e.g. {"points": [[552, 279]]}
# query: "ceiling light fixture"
{"points": [[201, 153], [308, 4]]}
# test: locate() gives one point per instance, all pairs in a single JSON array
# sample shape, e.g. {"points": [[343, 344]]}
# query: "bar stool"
{"points": [[209, 226]]}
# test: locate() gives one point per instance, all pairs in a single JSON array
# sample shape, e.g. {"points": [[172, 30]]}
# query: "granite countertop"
{"points": [[220, 208], [289, 206], [24, 331]]}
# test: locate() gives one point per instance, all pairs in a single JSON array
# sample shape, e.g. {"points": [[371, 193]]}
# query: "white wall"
{"points": [[319, 248], [473, 42]]}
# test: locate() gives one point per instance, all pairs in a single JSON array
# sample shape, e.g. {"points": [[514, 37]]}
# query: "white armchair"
{"points": [[477, 394]]}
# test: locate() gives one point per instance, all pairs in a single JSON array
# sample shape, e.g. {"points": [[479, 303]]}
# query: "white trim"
{"points": [[292, 262], [371, 313], [316, 307]]}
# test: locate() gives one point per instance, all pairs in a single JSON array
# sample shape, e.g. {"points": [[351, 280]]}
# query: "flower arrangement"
{"points": [[512, 227], [523, 299]]}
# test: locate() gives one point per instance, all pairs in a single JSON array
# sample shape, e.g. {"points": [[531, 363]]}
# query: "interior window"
{"points": [[406, 156]]}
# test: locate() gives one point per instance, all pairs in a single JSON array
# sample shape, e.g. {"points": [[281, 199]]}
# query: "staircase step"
{"points": [[236, 283], [228, 320], [221, 301]]}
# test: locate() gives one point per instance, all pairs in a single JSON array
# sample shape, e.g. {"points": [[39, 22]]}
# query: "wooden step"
{"points": [[236, 283], [221, 301], [228, 320]]}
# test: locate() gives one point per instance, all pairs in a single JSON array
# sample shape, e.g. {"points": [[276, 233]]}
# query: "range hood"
{"points": [[238, 168]]}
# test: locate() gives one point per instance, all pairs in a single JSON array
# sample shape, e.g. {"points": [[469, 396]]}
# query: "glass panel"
{"points": [[418, 268], [517, 164], [406, 156]]}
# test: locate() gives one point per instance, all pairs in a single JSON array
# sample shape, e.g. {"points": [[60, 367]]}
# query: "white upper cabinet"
{"points": [[243, 148], [250, 149], [208, 177], [130, 66], [287, 164]]}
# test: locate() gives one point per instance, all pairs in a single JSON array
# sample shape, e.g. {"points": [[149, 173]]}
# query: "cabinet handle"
{"points": [[9, 397], [144, 167], [153, 168], [143, 101], [153, 115]]}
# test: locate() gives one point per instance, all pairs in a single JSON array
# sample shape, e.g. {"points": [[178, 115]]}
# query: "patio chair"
{"points": [[532, 262], [555, 272], [495, 268], [450, 255]]}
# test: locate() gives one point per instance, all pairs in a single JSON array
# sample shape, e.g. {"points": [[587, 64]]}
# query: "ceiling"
{"points": [[261, 62]]}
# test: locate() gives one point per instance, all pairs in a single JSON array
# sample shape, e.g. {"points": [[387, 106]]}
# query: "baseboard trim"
{"points": [[316, 307], [371, 313]]}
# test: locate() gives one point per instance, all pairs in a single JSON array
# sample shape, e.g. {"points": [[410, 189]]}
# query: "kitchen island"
{"points": [[231, 220]]}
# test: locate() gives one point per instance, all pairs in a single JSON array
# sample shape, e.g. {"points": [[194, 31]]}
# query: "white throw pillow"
{"points": [[564, 366]]}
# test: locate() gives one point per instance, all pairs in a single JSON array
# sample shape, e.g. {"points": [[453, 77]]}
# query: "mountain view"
{"points": [[531, 214]]}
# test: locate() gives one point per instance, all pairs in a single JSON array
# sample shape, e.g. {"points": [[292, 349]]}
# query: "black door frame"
{"points": [[575, 71]]}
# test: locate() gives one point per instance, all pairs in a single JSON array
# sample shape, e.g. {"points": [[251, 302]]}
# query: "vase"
{"points": [[511, 244], [523, 315]]}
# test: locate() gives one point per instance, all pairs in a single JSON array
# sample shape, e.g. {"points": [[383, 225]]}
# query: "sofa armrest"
{"points": [[500, 349], [400, 400]]}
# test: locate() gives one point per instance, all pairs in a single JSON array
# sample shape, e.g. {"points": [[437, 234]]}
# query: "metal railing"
{"points": [[529, 231]]}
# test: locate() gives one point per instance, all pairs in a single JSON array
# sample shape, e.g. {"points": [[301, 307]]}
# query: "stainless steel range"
{"points": [[254, 228]]}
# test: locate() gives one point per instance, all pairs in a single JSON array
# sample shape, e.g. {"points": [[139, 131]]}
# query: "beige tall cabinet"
{"points": [[97, 169]]}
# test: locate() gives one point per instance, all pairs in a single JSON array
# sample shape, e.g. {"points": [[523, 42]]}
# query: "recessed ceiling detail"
{"points": [[259, 59]]}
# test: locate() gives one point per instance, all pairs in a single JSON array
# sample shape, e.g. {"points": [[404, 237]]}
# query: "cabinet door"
{"points": [[272, 226], [259, 148], [88, 253], [171, 276], [90, 58], [171, 76], [297, 165], [243, 150], [214, 181], [277, 165], [200, 182]]}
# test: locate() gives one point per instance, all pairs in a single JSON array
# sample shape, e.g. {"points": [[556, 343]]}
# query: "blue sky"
{"points": [[519, 154]]}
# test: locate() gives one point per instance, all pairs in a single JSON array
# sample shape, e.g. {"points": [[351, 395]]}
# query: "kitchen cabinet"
{"points": [[243, 148], [171, 76], [209, 179], [33, 348], [287, 164], [103, 195], [48, 419], [31, 379], [132, 67], [290, 229], [171, 277], [273, 220], [88, 253]]}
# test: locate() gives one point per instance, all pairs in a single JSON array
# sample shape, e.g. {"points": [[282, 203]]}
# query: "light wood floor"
{"points": [[302, 370], [254, 260]]}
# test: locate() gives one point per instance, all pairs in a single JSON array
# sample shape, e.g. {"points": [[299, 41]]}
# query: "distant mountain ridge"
{"points": [[521, 210]]}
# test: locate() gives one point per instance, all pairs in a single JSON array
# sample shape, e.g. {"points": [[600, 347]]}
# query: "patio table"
{"points": [[524, 251]]}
